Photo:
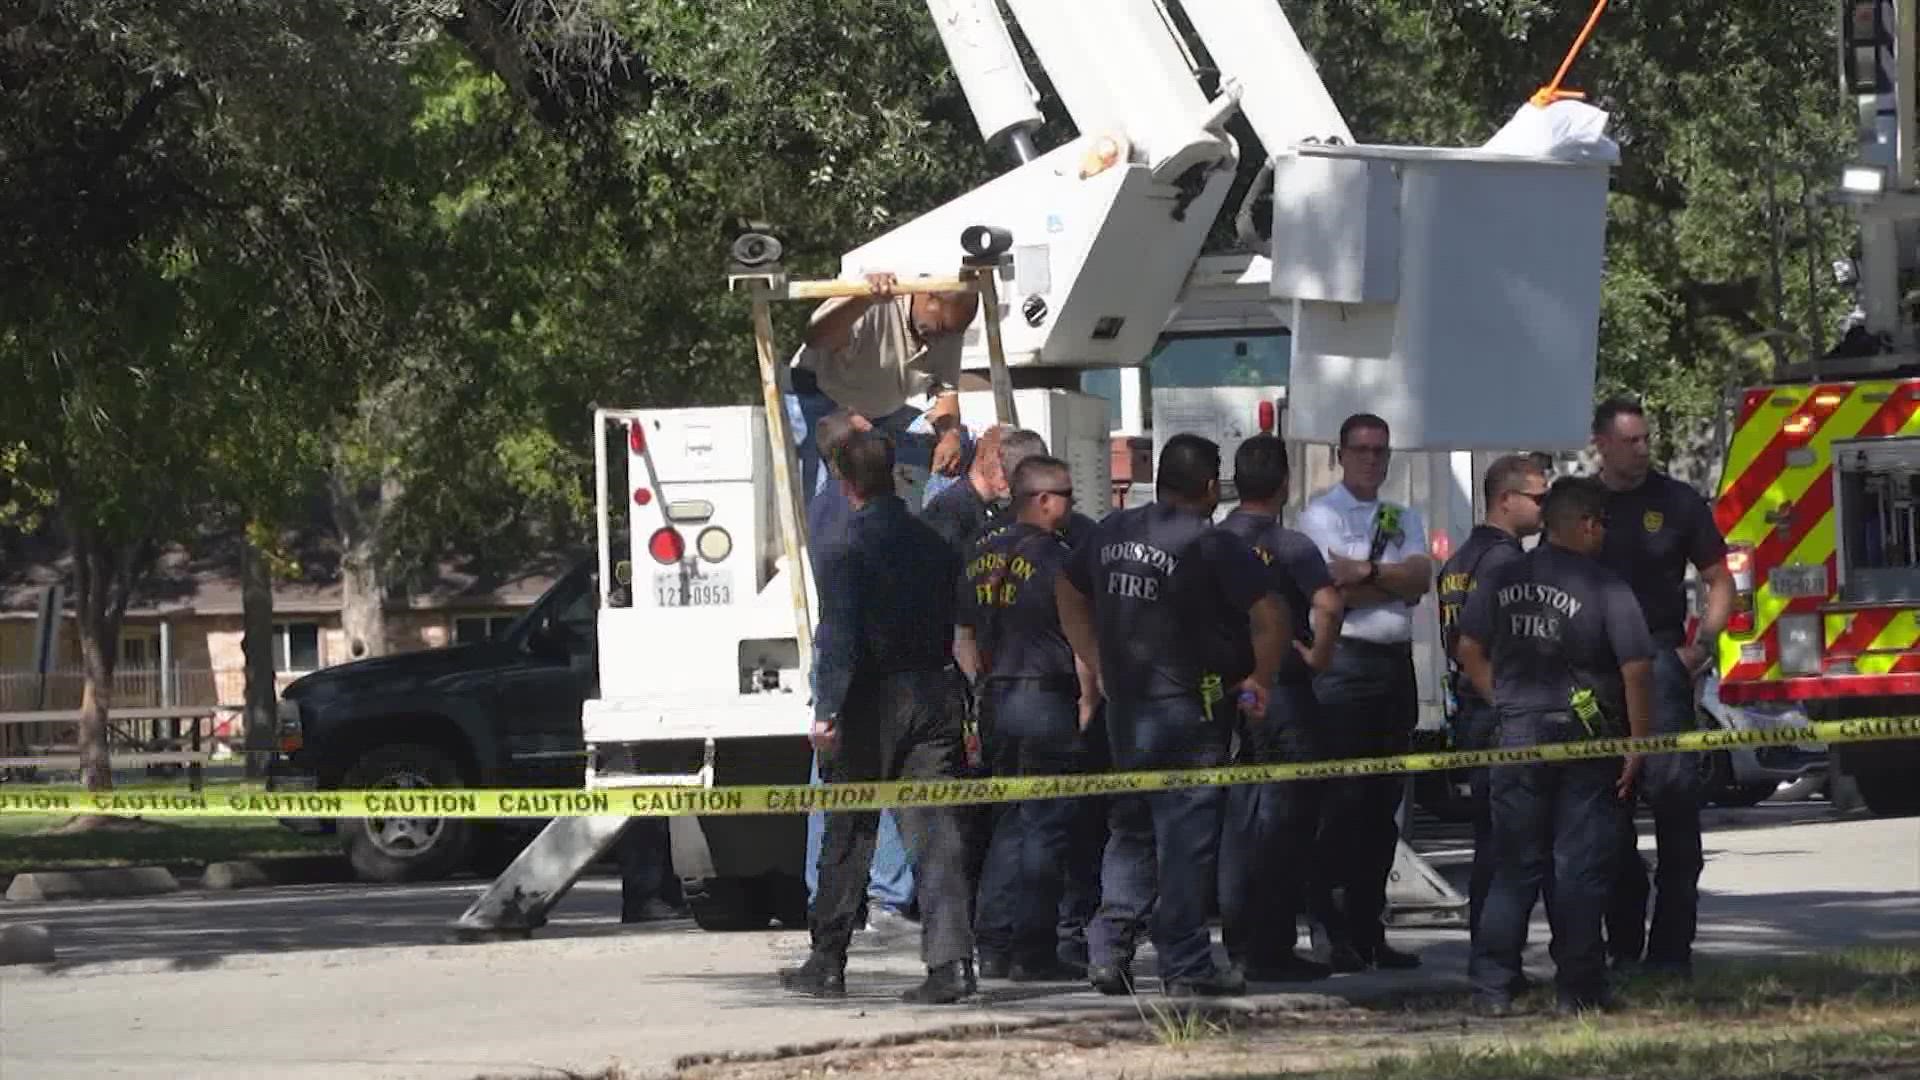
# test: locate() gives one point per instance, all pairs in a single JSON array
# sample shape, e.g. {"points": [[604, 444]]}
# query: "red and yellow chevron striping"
{"points": [[1776, 497]]}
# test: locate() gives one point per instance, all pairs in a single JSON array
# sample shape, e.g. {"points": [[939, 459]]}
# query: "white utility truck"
{"points": [[1454, 292]]}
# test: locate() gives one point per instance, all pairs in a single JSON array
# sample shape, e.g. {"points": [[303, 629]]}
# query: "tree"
{"points": [[191, 262]]}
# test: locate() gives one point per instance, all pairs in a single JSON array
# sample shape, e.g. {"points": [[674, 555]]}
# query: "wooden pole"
{"points": [[833, 287], [981, 279], [786, 482]]}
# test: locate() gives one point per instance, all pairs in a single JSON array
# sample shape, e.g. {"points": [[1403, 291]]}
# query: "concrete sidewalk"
{"points": [[644, 999]]}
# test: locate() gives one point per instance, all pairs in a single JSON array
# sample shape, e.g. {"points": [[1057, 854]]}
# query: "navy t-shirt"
{"points": [[959, 515], [1653, 532], [1295, 571], [1009, 603], [1167, 587], [1554, 622], [1077, 528], [1487, 550]]}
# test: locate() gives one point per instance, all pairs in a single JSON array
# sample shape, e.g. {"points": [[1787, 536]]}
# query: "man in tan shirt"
{"points": [[875, 356]]}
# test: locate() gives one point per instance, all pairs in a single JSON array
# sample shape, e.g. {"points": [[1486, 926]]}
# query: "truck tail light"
{"points": [[1740, 568], [637, 437], [1740, 565], [666, 545], [1265, 416]]}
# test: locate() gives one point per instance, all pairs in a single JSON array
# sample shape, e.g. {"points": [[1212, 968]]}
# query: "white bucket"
{"points": [[1456, 293]]}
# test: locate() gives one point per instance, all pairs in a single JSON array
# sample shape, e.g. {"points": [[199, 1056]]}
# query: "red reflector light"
{"points": [[1739, 560], [1266, 418], [1442, 546], [666, 546], [637, 438], [1740, 622], [641, 496]]}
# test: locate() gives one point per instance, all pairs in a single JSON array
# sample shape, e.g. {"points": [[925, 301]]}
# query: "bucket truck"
{"points": [[1454, 292]]}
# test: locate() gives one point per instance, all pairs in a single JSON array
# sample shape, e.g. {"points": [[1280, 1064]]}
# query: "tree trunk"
{"points": [[96, 698], [105, 571], [256, 646], [359, 512]]}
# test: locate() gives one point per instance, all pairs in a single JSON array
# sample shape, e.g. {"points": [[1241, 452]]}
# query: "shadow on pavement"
{"points": [[199, 930]]}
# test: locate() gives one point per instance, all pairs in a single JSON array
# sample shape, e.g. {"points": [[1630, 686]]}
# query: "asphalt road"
{"points": [[359, 981]]}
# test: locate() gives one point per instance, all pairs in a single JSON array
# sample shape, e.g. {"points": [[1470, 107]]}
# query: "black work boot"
{"points": [[1211, 984], [823, 975], [1113, 979], [946, 984], [1387, 958]]}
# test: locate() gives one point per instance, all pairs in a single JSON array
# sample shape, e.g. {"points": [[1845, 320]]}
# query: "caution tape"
{"points": [[893, 794]]}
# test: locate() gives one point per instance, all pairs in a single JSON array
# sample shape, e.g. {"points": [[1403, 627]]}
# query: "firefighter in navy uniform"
{"points": [[1157, 601], [1660, 526], [1514, 489], [1042, 702], [1558, 643], [881, 712], [1267, 841], [993, 831]]}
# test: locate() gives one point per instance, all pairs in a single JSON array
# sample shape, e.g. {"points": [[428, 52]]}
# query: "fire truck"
{"points": [[1820, 493]]}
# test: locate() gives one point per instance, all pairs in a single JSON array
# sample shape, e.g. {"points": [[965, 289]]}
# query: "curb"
{"points": [[91, 884], [262, 873]]}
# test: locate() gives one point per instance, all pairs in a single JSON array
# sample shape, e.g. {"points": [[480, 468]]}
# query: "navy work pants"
{"points": [[1561, 820], [1041, 883], [1266, 842], [1475, 728], [1162, 849], [896, 726], [1670, 787], [1369, 704]]}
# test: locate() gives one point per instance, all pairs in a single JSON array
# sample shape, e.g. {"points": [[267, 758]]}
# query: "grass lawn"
{"points": [[163, 842], [1837, 1016]]}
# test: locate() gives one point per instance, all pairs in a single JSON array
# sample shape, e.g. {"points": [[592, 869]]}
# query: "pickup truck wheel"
{"points": [[405, 849]]}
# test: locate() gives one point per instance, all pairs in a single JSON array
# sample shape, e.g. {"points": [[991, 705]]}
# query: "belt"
{"points": [[1378, 648], [1063, 684]]}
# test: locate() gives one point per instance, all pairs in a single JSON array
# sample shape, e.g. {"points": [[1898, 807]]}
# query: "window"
{"points": [[139, 651], [296, 648], [473, 629], [1203, 359]]}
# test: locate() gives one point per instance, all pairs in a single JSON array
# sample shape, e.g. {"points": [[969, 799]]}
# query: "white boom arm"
{"points": [[1424, 282]]}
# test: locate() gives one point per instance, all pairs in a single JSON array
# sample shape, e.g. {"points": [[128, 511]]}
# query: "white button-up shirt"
{"points": [[1341, 524]]}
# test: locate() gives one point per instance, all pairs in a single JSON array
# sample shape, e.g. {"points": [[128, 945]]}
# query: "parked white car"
{"points": [[1745, 776]]}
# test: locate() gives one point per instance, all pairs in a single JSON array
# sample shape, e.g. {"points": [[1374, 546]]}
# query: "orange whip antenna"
{"points": [[1551, 92]]}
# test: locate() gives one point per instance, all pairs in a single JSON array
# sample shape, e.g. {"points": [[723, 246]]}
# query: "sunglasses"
{"points": [[1066, 493], [1539, 498]]}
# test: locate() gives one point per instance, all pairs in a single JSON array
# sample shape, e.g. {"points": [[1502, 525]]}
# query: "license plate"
{"points": [[1790, 581], [674, 588]]}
